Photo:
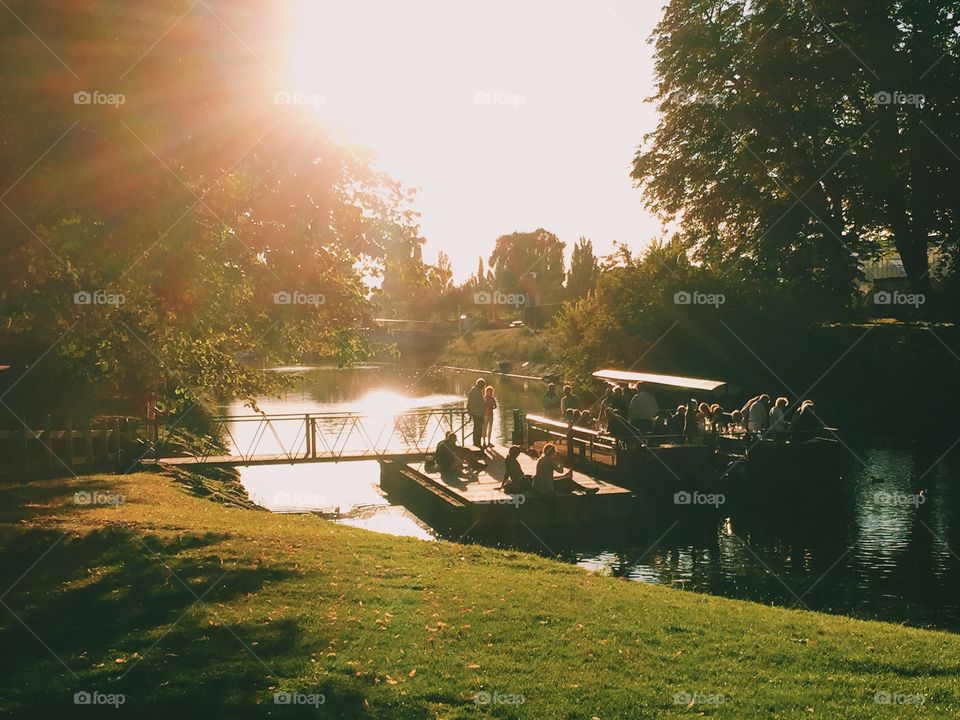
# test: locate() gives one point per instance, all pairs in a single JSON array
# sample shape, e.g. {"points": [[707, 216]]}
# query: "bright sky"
{"points": [[506, 115]]}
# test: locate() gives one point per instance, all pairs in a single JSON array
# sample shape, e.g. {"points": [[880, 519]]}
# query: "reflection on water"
{"points": [[883, 545]]}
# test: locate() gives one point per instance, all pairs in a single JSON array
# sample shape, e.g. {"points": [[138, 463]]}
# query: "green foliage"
{"points": [[584, 270], [529, 263], [230, 226], [773, 152]]}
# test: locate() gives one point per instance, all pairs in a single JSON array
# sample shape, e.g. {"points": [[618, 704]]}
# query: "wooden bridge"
{"points": [[286, 439]]}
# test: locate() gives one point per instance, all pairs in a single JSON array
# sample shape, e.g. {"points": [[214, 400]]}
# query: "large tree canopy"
{"points": [[175, 175], [529, 263], [797, 139]]}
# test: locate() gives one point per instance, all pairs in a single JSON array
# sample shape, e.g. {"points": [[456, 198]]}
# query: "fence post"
{"points": [[69, 434], [48, 436], [90, 459]]}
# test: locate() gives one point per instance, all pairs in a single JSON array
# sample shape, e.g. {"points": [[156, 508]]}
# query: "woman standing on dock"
{"points": [[489, 405]]}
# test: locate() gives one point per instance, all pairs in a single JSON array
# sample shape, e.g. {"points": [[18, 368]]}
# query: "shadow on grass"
{"points": [[116, 613]]}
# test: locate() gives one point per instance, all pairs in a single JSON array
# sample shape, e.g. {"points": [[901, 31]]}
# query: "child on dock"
{"points": [[489, 405]]}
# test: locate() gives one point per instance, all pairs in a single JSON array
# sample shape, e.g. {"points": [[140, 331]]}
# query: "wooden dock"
{"points": [[471, 501]]}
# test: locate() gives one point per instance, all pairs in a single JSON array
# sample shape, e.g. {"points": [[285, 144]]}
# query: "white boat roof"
{"points": [[666, 380]]}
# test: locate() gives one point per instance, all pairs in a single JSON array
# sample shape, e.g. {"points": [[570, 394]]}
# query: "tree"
{"points": [[214, 222], [529, 263], [584, 270], [795, 141]]}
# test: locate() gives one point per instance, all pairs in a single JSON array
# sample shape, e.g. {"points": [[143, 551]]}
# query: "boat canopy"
{"points": [[674, 381]]}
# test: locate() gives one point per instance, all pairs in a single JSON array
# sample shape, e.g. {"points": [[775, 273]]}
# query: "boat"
{"points": [[662, 464]]}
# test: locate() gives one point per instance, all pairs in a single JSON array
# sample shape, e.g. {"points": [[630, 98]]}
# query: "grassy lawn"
{"points": [[185, 605]]}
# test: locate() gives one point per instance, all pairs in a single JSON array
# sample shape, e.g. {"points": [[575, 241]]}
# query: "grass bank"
{"points": [[183, 604], [524, 351]]}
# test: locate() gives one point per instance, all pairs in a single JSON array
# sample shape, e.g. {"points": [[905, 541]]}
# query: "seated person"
{"points": [[546, 483], [805, 424], [449, 457], [514, 481], [678, 421]]}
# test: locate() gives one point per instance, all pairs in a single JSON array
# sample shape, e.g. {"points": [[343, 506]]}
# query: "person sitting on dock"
{"points": [[450, 460], [568, 400], [547, 483], [514, 480], [551, 401]]}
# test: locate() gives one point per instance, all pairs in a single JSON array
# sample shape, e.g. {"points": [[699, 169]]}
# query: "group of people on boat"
{"points": [[631, 410]]}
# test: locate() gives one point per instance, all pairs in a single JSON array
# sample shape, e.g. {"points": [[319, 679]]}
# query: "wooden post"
{"points": [[116, 440], [48, 437], [26, 460], [313, 436], [306, 433], [90, 459], [69, 435]]}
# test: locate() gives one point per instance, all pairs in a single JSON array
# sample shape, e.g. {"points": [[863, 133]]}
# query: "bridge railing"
{"points": [[319, 436]]}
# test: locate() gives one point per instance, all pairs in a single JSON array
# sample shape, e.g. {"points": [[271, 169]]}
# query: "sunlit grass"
{"points": [[394, 627]]}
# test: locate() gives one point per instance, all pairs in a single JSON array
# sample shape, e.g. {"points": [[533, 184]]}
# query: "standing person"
{"points": [[758, 414], [489, 405], [691, 428], [569, 401], [618, 403], [643, 409], [605, 402], [475, 408], [551, 401], [547, 483]]}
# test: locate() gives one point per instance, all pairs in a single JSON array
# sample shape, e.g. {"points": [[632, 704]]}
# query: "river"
{"points": [[877, 550]]}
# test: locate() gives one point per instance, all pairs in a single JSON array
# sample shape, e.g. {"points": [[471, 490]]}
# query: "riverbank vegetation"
{"points": [[184, 604]]}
